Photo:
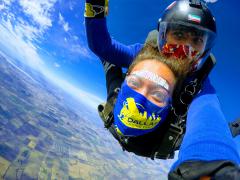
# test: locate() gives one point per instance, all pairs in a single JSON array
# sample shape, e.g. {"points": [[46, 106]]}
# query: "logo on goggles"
{"points": [[133, 115]]}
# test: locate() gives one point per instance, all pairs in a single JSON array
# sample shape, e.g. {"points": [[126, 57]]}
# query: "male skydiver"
{"points": [[208, 140]]}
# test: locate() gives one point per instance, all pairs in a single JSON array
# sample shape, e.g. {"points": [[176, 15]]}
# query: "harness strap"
{"points": [[168, 143], [105, 110], [192, 88], [235, 127], [177, 118]]}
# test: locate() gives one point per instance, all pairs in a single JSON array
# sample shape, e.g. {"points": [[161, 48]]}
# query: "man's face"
{"points": [[187, 36]]}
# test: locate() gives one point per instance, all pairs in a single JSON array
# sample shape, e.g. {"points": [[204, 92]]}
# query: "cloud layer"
{"points": [[23, 25], [210, 1]]}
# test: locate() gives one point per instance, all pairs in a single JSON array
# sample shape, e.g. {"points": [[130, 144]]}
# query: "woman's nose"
{"points": [[143, 91]]}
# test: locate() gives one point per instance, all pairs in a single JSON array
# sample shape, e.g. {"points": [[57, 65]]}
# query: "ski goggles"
{"points": [[153, 87]]}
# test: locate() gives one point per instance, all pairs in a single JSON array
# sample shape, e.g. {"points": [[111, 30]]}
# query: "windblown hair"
{"points": [[179, 67]]}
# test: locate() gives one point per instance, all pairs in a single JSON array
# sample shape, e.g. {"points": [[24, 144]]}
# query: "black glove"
{"points": [[214, 170], [96, 8]]}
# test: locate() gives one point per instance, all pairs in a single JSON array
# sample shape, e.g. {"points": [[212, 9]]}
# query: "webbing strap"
{"points": [[235, 127], [192, 88], [106, 110], [166, 147], [177, 117]]}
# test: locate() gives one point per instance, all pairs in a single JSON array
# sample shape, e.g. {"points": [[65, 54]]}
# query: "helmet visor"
{"points": [[199, 39]]}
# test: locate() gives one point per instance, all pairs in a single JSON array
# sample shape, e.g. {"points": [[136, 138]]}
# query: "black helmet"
{"points": [[193, 18]]}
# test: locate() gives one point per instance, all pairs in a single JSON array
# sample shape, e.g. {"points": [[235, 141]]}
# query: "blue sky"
{"points": [[49, 36], [130, 24]]}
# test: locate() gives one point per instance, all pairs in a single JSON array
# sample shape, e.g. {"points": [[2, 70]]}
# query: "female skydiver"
{"points": [[208, 140], [145, 95]]}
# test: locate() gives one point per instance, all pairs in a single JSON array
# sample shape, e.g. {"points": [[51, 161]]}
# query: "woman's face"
{"points": [[152, 79]]}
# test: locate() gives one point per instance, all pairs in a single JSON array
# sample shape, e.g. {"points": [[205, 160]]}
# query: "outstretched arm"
{"points": [[99, 40], [208, 142], [208, 136]]}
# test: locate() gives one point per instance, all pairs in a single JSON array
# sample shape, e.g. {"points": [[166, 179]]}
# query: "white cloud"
{"points": [[72, 42], [75, 38], [56, 65], [18, 39], [26, 52], [26, 31], [81, 95], [12, 41], [78, 49], [2, 6], [7, 2], [39, 10], [72, 3], [23, 35], [64, 24], [210, 1], [66, 27], [9, 60]]}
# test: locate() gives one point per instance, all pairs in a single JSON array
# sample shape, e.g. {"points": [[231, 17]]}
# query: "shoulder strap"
{"points": [[105, 110], [192, 87]]}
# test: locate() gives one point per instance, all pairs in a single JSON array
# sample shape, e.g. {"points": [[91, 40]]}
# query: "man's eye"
{"points": [[179, 35], [197, 40]]}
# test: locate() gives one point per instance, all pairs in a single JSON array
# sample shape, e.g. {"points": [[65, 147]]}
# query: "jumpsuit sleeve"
{"points": [[208, 137], [106, 48]]}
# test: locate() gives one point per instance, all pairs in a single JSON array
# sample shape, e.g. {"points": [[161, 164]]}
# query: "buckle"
{"points": [[169, 143], [235, 127]]}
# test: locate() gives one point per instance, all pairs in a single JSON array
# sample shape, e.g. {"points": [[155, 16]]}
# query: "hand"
{"points": [[96, 8]]}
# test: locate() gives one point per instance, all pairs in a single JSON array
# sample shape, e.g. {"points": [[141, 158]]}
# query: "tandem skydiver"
{"points": [[190, 33]]}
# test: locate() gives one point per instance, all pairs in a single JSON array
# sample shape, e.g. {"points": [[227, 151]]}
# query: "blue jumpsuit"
{"points": [[208, 136]]}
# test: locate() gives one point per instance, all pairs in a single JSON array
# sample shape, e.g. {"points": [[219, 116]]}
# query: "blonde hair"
{"points": [[179, 67]]}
